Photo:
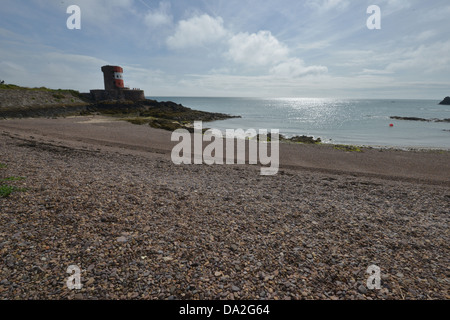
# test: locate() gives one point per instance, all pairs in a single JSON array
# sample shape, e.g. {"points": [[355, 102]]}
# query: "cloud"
{"points": [[428, 59], [435, 14], [262, 49], [197, 31], [159, 17], [327, 5], [256, 49], [295, 67], [375, 72], [395, 5]]}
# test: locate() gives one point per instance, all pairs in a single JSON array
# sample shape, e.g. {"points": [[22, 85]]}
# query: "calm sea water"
{"points": [[340, 121]]}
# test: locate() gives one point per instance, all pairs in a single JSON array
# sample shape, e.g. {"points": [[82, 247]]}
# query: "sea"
{"points": [[357, 122]]}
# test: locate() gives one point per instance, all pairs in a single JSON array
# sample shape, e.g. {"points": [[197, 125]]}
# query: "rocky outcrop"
{"points": [[420, 119], [446, 101]]}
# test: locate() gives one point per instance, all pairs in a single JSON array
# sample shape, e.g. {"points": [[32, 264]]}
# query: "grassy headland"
{"points": [[23, 102]]}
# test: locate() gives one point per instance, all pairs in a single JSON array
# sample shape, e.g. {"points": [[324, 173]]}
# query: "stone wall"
{"points": [[126, 94]]}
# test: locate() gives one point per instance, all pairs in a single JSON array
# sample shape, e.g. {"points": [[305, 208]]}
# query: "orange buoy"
{"points": [[391, 125]]}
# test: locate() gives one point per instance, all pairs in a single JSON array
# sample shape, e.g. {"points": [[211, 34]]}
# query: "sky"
{"points": [[232, 48]]}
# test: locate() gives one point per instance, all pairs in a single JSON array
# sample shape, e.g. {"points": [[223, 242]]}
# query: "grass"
{"points": [[347, 148], [58, 94], [5, 189], [13, 179]]}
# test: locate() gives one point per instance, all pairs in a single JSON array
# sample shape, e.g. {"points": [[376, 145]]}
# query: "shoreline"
{"points": [[432, 166], [285, 141]]}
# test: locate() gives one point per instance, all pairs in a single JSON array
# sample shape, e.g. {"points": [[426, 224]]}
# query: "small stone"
{"points": [[78, 296], [122, 239], [235, 289], [400, 275], [362, 289], [171, 298], [167, 259], [309, 256], [218, 274]]}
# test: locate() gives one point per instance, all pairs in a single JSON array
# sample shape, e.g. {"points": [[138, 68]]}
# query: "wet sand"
{"points": [[423, 166]]}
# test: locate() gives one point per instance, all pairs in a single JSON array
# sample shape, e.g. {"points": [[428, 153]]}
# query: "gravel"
{"points": [[140, 227]]}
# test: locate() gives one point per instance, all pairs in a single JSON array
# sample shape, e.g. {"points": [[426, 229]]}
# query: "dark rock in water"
{"points": [[410, 118], [305, 139], [296, 139], [420, 119], [446, 101]]}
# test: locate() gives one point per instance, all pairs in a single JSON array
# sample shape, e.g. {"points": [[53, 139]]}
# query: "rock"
{"points": [[410, 119], [362, 289], [79, 296], [302, 139], [90, 281], [446, 101], [420, 119], [235, 289], [122, 239]]}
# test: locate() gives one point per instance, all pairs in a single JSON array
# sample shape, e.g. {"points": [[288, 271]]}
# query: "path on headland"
{"points": [[431, 167]]}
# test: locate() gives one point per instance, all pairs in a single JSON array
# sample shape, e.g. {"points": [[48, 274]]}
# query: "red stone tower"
{"points": [[113, 77], [115, 88]]}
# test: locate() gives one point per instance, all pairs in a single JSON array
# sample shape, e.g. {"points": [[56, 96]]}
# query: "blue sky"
{"points": [[287, 48]]}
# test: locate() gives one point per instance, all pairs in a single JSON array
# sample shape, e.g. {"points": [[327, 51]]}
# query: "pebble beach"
{"points": [[106, 197]]}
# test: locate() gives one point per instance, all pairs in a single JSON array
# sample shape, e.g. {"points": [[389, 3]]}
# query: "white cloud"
{"points": [[435, 14], [197, 31], [423, 36], [395, 5], [327, 5], [257, 49], [295, 67], [375, 72], [159, 17], [427, 59]]}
